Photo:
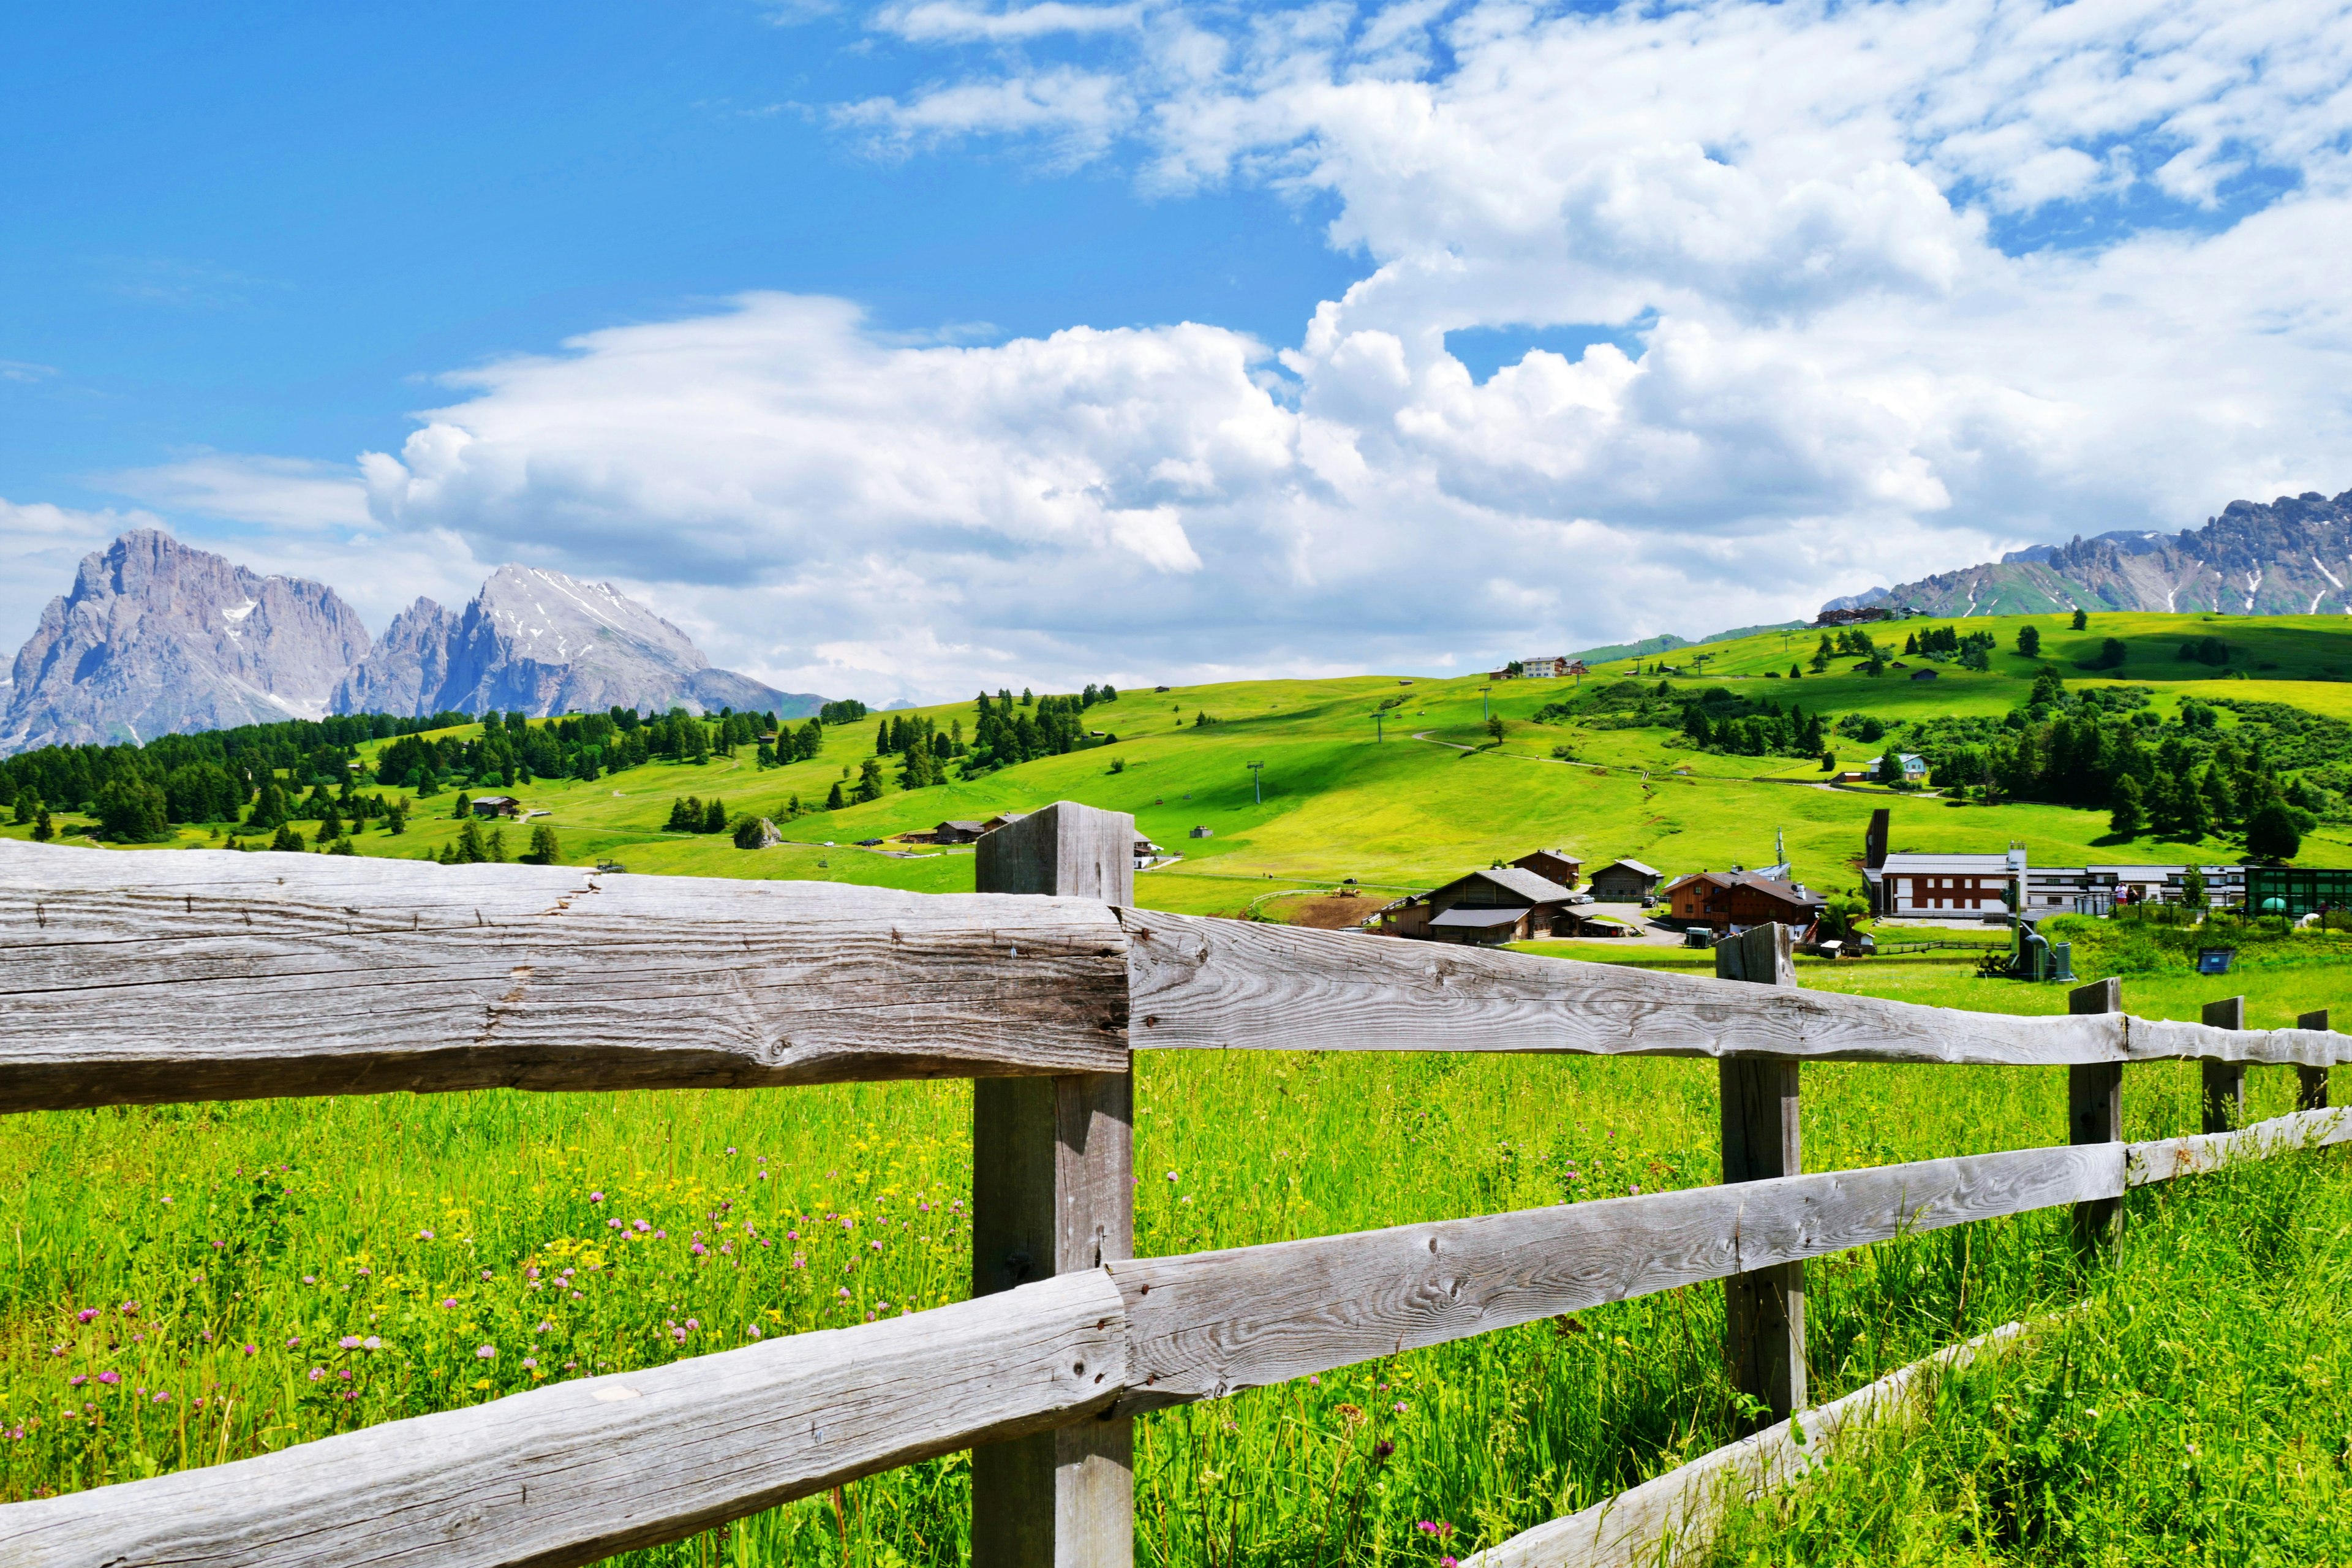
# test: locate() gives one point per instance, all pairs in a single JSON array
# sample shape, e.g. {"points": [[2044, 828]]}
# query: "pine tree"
{"points": [[2029, 642], [1911, 645], [288, 840], [42, 831], [342, 847], [469, 847], [685, 816], [544, 848], [714, 816], [2082, 619], [330, 826], [498, 846], [26, 806], [870, 781], [465, 808], [833, 801], [2126, 813], [396, 820]]}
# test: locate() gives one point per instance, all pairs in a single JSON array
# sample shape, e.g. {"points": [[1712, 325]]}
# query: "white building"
{"points": [[2093, 890], [1951, 887], [1913, 765]]}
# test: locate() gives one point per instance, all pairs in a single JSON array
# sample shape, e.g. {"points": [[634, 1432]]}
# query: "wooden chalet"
{"points": [[1723, 899], [1625, 882], [1552, 865], [1503, 903], [496, 805], [958, 832]]}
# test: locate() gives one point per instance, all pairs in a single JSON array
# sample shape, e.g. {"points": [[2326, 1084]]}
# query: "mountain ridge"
{"points": [[156, 636], [2291, 557]]}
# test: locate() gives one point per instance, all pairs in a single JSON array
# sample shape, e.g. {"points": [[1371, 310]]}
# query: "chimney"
{"points": [[1873, 843]]}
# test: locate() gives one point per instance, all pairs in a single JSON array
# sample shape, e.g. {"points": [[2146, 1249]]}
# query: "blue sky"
{"points": [[894, 349]]}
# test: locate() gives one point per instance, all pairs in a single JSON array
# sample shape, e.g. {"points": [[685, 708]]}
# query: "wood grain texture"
{"points": [[1671, 1518], [137, 978], [2224, 1082], [1763, 1312], [573, 1472], [2094, 1109], [2162, 1159], [1054, 1194], [1204, 983], [1205, 1325], [2311, 1083]]}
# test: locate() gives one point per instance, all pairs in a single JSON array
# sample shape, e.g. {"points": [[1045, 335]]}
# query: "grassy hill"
{"points": [[1432, 792]]}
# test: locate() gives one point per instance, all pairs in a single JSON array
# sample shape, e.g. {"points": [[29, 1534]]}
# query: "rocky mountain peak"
{"points": [[157, 637]]}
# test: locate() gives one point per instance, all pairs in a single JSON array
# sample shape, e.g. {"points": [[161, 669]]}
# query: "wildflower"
{"points": [[789, 1236], [130, 1308], [167, 1197], [613, 1225], [530, 1360], [1637, 1192], [1401, 1406], [349, 1341], [365, 1272], [423, 1235], [843, 1292], [1383, 1448], [294, 1342], [370, 1342], [484, 1352], [799, 1261], [730, 1148], [595, 1197], [253, 1350], [877, 1246], [679, 1335], [544, 1328], [77, 1380], [751, 1332], [345, 1374], [317, 1372], [641, 1226], [310, 1279], [661, 1235], [695, 1323], [85, 1315], [699, 1251], [448, 1301], [1172, 1176]]}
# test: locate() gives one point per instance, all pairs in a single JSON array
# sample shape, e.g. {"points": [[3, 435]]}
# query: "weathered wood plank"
{"points": [[2162, 1159], [135, 978], [576, 1471], [1053, 1193], [1764, 1310], [1202, 983], [2094, 1109], [2311, 1083], [2224, 1082], [1205, 1325], [1671, 1518]]}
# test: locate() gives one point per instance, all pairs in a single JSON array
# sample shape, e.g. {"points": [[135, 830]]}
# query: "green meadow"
{"points": [[200, 1283]]}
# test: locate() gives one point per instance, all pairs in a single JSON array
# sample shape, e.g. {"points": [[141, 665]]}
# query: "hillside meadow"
{"points": [[197, 1283]]}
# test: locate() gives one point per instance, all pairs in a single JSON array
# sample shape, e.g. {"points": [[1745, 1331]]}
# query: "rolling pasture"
{"points": [[196, 1283]]}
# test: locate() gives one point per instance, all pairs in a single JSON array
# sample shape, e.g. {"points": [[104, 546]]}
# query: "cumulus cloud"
{"points": [[272, 492]]}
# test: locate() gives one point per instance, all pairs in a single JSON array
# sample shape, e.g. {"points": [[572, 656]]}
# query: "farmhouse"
{"points": [[487, 805], [1913, 766], [1923, 674], [1625, 882], [1723, 899], [1146, 852], [1552, 865], [1501, 904], [958, 832]]}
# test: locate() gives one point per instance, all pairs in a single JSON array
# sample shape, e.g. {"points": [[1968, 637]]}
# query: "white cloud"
{"points": [[288, 493], [952, 21]]}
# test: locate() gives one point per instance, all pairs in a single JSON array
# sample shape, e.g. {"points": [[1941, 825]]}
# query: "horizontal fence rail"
{"points": [[575, 1471], [1207, 983], [140, 978], [146, 978]]}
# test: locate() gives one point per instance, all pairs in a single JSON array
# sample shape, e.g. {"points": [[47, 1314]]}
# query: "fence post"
{"points": [[2311, 1083], [2094, 1109], [1053, 1192], [1764, 1310], [2225, 1082]]}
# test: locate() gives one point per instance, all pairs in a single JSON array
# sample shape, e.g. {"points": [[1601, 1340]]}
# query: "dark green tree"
{"points": [[2082, 619], [714, 816], [131, 811], [2271, 835], [42, 829], [545, 850], [870, 781], [286, 840], [833, 800], [2126, 811], [2029, 641]]}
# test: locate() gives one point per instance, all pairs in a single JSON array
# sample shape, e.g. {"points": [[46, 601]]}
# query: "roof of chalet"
{"points": [[1479, 918], [1555, 854], [1512, 879], [1631, 865], [959, 826]]}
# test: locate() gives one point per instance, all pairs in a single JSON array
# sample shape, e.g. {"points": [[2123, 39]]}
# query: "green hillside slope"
{"points": [[1431, 792]]}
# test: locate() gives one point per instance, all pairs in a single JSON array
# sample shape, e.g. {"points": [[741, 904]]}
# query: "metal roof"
{"points": [[1477, 919], [1630, 866]]}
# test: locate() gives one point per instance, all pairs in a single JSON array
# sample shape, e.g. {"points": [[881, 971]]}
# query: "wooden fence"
{"points": [[144, 978]]}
